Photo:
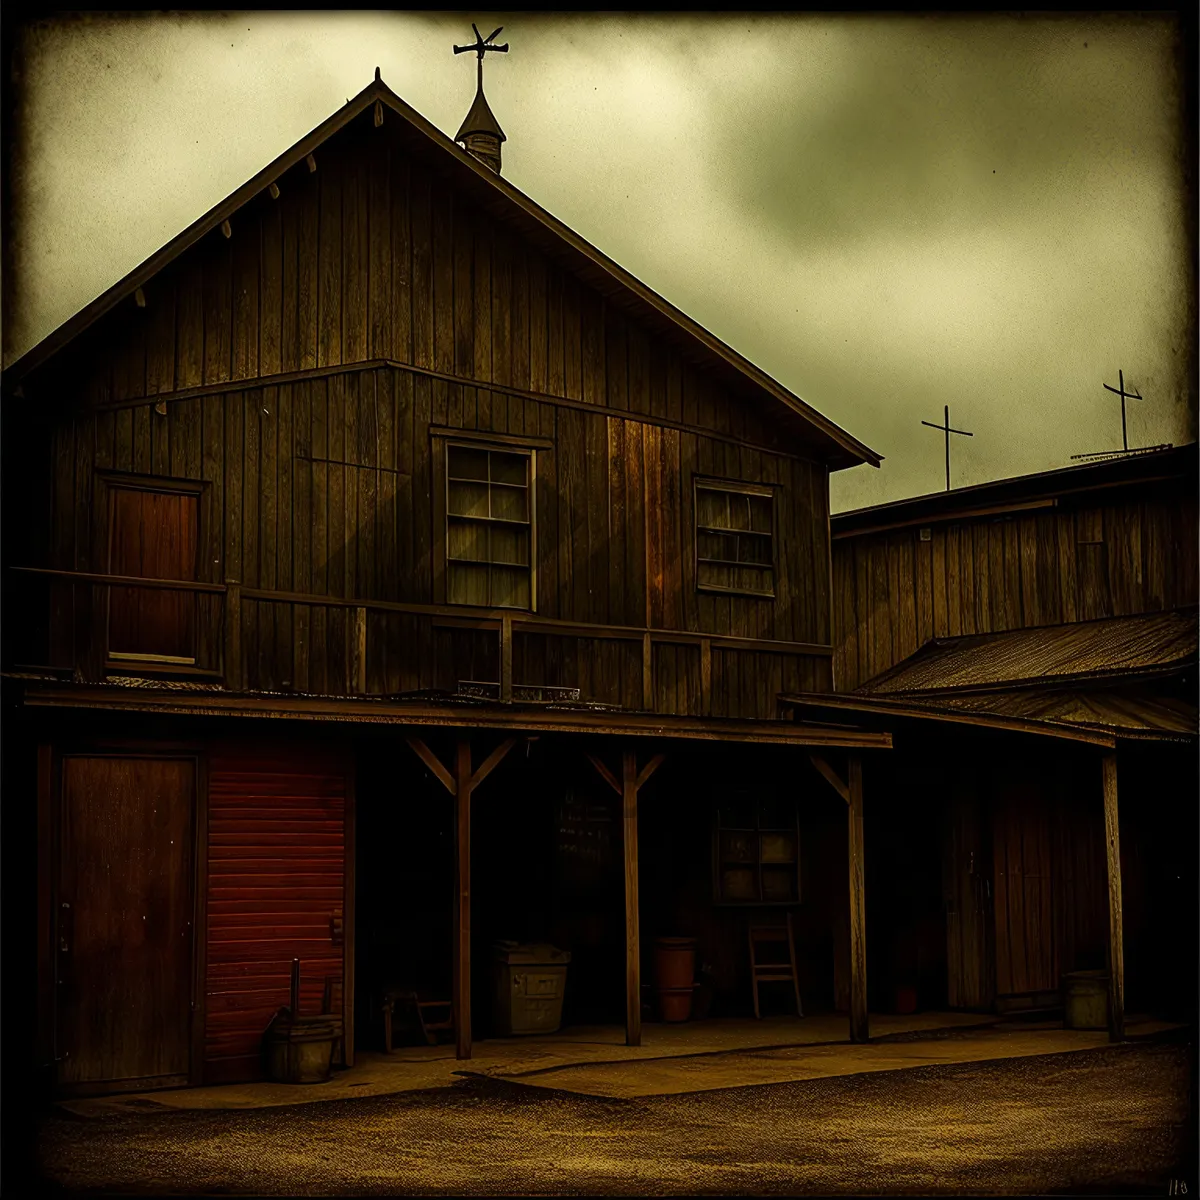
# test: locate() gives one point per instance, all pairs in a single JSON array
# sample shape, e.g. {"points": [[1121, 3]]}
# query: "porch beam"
{"points": [[434, 763], [1116, 935], [462, 899], [633, 971], [859, 1031]]}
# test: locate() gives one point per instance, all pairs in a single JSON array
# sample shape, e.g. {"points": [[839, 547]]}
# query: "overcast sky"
{"points": [[887, 214]]}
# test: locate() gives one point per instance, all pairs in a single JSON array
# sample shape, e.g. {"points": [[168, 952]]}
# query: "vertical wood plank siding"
{"points": [[1134, 551], [276, 880], [328, 485]]}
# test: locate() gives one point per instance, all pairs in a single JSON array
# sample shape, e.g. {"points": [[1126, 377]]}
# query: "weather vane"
{"points": [[481, 47], [945, 428]]}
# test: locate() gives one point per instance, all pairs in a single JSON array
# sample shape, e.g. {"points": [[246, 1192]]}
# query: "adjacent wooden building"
{"points": [[376, 490], [1028, 642]]}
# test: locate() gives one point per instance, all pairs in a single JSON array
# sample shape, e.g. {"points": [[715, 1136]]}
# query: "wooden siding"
{"points": [[1104, 555], [327, 487], [302, 363]]}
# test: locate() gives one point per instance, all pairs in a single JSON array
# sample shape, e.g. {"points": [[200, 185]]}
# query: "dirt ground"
{"points": [[1107, 1121]]}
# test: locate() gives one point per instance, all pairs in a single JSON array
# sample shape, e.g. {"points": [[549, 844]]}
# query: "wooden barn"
{"points": [[388, 572], [1031, 645]]}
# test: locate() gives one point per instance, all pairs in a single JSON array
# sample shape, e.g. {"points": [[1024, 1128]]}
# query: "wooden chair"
{"points": [[761, 971], [406, 997]]}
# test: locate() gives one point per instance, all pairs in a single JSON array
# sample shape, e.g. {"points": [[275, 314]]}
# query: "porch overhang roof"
{"points": [[1103, 730], [214, 701]]}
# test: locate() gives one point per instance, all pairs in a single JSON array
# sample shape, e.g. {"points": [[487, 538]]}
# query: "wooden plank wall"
{"points": [[325, 484], [1113, 554]]}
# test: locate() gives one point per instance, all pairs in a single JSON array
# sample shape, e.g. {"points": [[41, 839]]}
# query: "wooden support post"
{"points": [[633, 962], [1116, 942], [360, 650], [647, 673], [705, 676], [506, 648], [462, 899], [859, 1031], [232, 669]]}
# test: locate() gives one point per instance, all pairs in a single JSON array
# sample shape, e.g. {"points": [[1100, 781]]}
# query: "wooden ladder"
{"points": [[773, 972]]}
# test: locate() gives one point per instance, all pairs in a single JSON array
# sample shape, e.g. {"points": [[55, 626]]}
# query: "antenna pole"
{"points": [[1124, 435]]}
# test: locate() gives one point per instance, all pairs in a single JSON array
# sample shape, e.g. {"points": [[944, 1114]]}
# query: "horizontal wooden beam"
{"points": [[989, 510], [502, 389], [174, 585], [434, 763], [448, 716]]}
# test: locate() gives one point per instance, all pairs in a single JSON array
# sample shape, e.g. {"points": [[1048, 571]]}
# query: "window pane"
{"points": [[510, 468], [738, 884], [760, 514], [467, 539], [721, 546], [753, 579], [710, 575], [510, 503], [737, 848], [754, 549], [739, 512], [510, 545], [712, 508], [468, 499], [779, 883], [465, 463], [466, 584], [510, 587]]}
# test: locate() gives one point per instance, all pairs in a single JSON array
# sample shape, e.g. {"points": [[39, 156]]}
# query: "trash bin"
{"points": [[530, 981], [1085, 1000]]}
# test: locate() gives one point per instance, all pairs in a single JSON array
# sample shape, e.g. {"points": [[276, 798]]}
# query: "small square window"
{"points": [[489, 527], [756, 847], [735, 538]]}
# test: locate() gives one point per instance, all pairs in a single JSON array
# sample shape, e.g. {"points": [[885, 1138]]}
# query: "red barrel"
{"points": [[674, 975]]}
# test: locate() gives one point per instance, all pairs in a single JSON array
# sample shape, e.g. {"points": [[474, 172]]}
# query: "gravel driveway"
{"points": [[1099, 1121]]}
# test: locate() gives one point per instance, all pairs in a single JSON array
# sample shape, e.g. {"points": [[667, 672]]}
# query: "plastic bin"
{"points": [[530, 981]]}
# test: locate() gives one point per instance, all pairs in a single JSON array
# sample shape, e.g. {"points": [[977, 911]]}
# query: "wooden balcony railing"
{"points": [[75, 629]]}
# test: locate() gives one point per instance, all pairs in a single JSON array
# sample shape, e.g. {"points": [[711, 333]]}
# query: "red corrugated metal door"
{"points": [[277, 890]]}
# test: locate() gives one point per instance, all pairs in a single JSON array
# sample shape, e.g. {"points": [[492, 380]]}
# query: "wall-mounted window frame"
{"points": [[463, 529], [729, 559], [756, 852]]}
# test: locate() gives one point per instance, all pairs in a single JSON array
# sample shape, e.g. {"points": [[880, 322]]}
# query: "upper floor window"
{"points": [[735, 544], [489, 526]]}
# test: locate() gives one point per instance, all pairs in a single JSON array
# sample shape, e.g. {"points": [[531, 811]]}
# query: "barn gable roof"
{"points": [[491, 191]]}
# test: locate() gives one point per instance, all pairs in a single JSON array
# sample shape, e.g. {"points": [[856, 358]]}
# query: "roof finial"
{"points": [[377, 76], [480, 132]]}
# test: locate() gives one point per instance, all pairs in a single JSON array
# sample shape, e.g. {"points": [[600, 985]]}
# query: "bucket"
{"points": [[1085, 1000], [299, 1049], [675, 1003], [674, 962]]}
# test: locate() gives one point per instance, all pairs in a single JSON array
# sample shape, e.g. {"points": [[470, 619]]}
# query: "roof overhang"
{"points": [[908, 709], [511, 718], [492, 191]]}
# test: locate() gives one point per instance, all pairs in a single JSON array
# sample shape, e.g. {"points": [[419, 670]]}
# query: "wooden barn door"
{"points": [[153, 534], [967, 890], [280, 886], [1027, 948], [123, 933]]}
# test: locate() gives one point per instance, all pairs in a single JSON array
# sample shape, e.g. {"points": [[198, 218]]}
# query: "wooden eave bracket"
{"points": [[835, 781], [641, 779], [445, 778]]}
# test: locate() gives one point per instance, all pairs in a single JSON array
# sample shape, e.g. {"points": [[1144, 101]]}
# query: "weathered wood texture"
{"points": [[1126, 551], [369, 275]]}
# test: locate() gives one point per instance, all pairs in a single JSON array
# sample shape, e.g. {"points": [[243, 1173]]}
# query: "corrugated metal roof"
{"points": [[1115, 647]]}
